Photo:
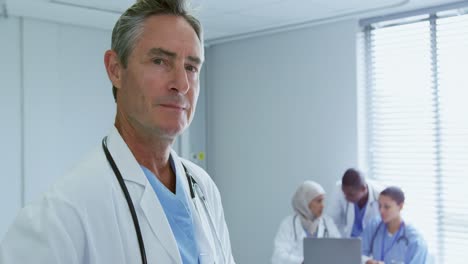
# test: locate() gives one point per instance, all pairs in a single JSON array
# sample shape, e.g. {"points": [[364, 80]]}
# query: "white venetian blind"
{"points": [[417, 124], [452, 51]]}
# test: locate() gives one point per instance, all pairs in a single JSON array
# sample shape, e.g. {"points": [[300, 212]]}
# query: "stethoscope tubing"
{"points": [[128, 198], [192, 185], [402, 237]]}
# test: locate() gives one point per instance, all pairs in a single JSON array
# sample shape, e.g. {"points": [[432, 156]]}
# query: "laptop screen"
{"points": [[332, 250]]}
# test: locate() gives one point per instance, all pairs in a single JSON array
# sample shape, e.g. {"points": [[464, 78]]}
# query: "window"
{"points": [[416, 122]]}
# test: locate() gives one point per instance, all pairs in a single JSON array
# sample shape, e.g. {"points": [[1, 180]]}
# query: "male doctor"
{"points": [[354, 203], [154, 66]]}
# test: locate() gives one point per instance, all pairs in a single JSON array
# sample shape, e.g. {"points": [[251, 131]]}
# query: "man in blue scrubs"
{"points": [[354, 203]]}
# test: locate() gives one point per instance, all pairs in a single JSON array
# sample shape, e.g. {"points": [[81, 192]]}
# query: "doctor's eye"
{"points": [[158, 61], [191, 68]]}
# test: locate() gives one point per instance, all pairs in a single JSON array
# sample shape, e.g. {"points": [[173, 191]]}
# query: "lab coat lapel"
{"points": [[372, 205], [204, 236], [153, 213], [321, 228], [158, 222], [349, 218]]}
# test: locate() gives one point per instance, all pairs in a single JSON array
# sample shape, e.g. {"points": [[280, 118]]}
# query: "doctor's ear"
{"points": [[113, 68]]}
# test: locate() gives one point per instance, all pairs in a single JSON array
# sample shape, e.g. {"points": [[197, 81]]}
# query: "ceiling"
{"points": [[223, 20]]}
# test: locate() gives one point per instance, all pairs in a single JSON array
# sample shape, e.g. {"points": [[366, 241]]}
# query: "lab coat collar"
{"points": [[373, 194], [149, 202], [205, 242], [128, 165], [124, 159], [300, 232]]}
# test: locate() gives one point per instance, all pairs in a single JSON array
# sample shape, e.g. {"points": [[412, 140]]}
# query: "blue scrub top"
{"points": [[178, 214], [406, 246], [358, 220]]}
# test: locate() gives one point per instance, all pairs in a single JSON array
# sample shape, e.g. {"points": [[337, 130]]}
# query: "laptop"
{"points": [[332, 250]]}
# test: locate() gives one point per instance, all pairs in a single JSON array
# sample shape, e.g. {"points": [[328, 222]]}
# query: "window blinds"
{"points": [[417, 124], [452, 72]]}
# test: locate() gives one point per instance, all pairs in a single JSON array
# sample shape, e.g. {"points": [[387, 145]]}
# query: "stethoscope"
{"points": [[398, 239], [325, 231], [193, 185]]}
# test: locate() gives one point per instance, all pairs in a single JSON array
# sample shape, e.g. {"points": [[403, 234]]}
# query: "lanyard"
{"points": [[383, 252]]}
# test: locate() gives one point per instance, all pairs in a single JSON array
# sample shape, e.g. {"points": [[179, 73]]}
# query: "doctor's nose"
{"points": [[180, 81]]}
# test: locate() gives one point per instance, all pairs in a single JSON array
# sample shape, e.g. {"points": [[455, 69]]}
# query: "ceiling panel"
{"points": [[221, 18], [284, 12], [110, 5], [273, 15], [233, 24], [360, 4], [212, 7]]}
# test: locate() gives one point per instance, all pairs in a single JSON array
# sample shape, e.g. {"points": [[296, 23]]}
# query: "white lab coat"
{"points": [[289, 241], [85, 218], [342, 211]]}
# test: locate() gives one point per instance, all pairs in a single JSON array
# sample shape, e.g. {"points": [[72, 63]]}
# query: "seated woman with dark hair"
{"points": [[390, 239]]}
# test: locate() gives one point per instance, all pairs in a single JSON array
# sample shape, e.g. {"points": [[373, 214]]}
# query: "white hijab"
{"points": [[306, 192]]}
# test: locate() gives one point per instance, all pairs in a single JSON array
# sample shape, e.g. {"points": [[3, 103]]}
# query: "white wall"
{"points": [[56, 104], [10, 119], [197, 130], [68, 100], [281, 109]]}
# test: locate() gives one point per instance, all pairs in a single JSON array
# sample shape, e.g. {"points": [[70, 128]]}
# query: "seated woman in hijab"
{"points": [[389, 239], [308, 220]]}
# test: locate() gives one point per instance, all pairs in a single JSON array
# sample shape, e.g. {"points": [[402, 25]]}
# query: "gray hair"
{"points": [[129, 27]]}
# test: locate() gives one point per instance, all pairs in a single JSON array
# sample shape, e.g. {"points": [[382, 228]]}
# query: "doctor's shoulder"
{"points": [[413, 234], [370, 231], [90, 177], [77, 182], [328, 219], [374, 223], [337, 196], [55, 221], [287, 228], [290, 220], [87, 187], [332, 227]]}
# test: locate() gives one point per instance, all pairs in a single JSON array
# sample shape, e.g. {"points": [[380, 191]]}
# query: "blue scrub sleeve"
{"points": [[367, 235], [417, 252]]}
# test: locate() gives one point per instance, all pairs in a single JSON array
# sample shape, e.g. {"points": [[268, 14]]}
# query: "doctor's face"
{"points": [[158, 90], [389, 208], [353, 194], [316, 205]]}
